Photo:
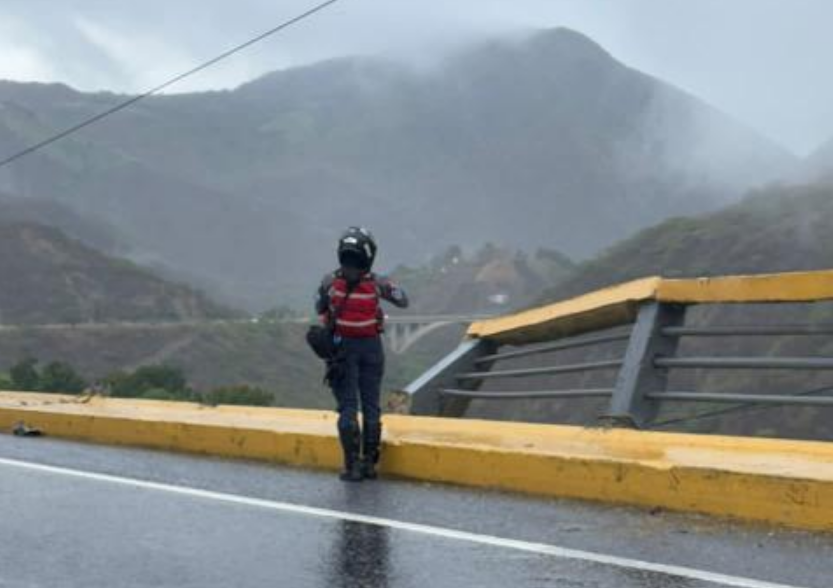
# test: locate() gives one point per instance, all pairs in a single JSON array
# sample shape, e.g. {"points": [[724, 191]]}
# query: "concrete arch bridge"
{"points": [[403, 331]]}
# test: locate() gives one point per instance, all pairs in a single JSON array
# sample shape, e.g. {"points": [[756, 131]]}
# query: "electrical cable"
{"points": [[122, 105]]}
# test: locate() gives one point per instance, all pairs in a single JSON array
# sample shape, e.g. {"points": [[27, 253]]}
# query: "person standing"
{"points": [[349, 303]]}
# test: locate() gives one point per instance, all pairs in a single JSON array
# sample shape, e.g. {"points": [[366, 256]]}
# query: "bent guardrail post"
{"points": [[424, 392], [639, 376]]}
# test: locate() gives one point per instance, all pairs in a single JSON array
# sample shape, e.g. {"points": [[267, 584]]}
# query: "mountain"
{"points": [[777, 229], [491, 280], [547, 139], [819, 165], [51, 278], [90, 231]]}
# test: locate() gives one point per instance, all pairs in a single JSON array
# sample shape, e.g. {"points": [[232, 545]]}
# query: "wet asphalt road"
{"points": [[62, 529]]}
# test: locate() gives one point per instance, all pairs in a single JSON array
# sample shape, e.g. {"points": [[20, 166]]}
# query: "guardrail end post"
{"points": [[638, 376], [424, 391]]}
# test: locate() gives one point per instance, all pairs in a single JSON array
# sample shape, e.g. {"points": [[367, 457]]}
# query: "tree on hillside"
{"points": [[24, 375], [149, 378], [59, 376], [241, 395]]}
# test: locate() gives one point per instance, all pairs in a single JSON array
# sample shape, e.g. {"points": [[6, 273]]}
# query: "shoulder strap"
{"points": [[339, 309]]}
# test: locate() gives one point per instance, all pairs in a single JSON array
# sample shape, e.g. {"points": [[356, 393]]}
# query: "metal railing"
{"points": [[639, 386]]}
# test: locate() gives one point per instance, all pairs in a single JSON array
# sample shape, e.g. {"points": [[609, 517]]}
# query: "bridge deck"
{"points": [[758, 479], [80, 515]]}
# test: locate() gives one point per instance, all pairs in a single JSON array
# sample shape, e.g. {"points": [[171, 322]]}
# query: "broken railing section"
{"points": [[639, 379]]}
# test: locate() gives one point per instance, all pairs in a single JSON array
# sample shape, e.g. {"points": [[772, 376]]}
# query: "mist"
{"points": [[760, 61]]}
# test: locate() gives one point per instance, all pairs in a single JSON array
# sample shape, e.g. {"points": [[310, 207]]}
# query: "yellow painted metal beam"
{"points": [[764, 288], [617, 305], [772, 481], [597, 310]]}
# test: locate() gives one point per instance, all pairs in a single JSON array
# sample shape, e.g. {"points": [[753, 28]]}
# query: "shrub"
{"points": [[147, 378], [59, 376], [239, 395], [24, 375], [158, 394]]}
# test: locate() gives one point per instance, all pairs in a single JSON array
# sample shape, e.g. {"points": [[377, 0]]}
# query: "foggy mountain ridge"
{"points": [[544, 141], [818, 166], [489, 281], [55, 279], [94, 233], [776, 229]]}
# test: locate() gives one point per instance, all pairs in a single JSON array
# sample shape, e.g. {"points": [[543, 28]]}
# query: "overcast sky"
{"points": [[764, 61]]}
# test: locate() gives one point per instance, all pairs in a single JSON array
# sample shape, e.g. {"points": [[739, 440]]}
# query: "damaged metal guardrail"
{"points": [[656, 310]]}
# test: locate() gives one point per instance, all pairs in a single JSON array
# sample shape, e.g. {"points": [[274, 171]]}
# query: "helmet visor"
{"points": [[353, 259]]}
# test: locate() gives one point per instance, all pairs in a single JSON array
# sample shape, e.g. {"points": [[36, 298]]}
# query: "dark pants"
{"points": [[360, 382]]}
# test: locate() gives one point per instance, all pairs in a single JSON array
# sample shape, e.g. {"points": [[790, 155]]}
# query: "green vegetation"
{"points": [[245, 395], [61, 377], [270, 356], [152, 382], [55, 376], [24, 375]]}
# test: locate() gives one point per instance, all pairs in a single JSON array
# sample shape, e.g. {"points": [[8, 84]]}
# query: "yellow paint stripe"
{"points": [[764, 288], [617, 305], [773, 481]]}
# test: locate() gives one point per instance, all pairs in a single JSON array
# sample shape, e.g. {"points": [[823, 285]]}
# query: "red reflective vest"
{"points": [[361, 315]]}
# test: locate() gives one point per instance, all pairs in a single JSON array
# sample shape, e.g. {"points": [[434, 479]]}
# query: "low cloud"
{"points": [[761, 61], [138, 62], [22, 60]]}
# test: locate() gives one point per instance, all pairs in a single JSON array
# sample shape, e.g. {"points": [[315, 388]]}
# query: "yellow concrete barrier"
{"points": [[618, 304], [771, 481]]}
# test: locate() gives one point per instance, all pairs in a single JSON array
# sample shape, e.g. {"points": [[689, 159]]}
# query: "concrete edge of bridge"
{"points": [[770, 481]]}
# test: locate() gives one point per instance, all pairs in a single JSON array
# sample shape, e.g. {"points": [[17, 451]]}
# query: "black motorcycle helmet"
{"points": [[357, 249]]}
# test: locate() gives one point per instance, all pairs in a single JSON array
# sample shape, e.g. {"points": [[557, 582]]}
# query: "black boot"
{"points": [[350, 437], [372, 439]]}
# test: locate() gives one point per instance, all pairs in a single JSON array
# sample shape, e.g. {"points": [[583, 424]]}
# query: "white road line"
{"points": [[526, 546]]}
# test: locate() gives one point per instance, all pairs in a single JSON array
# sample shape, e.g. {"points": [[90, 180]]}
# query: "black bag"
{"points": [[322, 342]]}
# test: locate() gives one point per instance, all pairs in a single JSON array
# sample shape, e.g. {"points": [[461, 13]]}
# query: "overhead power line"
{"points": [[205, 65]]}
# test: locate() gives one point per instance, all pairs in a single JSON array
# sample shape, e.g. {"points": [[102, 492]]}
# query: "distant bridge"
{"points": [[404, 331], [401, 333]]}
